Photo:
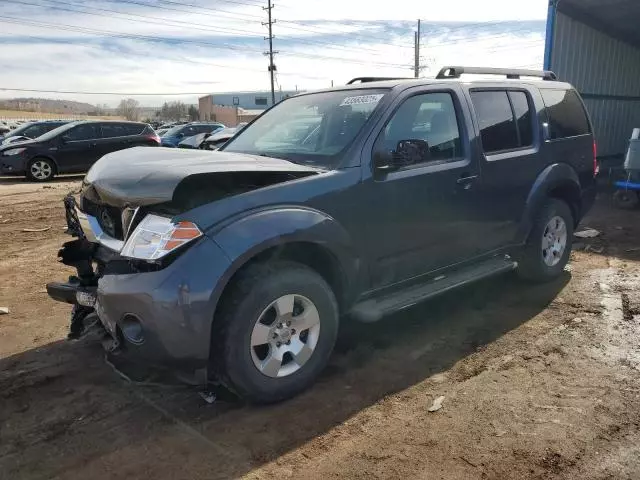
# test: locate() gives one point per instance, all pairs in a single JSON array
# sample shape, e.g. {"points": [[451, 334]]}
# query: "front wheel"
{"points": [[548, 247], [275, 331], [40, 170]]}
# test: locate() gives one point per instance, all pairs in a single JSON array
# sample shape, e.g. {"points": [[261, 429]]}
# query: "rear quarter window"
{"points": [[133, 128], [566, 114]]}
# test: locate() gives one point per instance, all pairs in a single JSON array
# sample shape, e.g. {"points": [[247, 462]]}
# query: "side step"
{"points": [[373, 310]]}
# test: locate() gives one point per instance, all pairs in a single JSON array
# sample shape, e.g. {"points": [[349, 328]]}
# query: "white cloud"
{"points": [[206, 50]]}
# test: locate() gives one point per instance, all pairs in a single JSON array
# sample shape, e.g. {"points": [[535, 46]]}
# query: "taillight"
{"points": [[596, 168], [154, 138]]}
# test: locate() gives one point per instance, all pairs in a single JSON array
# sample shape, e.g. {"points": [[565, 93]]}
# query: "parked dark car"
{"points": [[73, 147], [239, 264], [173, 136], [31, 130]]}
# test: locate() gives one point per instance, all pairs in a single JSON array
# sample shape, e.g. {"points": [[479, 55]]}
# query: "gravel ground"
{"points": [[538, 381]]}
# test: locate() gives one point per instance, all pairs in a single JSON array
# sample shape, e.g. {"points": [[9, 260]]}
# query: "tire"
{"points": [[248, 315], [537, 263], [626, 199], [40, 169]]}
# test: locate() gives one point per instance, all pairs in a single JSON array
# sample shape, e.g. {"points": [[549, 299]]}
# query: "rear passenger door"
{"points": [[118, 136], [79, 148], [507, 150]]}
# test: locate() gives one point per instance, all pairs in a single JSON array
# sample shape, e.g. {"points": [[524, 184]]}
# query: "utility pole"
{"points": [[416, 67], [271, 53]]}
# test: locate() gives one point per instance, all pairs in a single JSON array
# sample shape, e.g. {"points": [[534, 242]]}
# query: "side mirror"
{"points": [[66, 138], [411, 152], [207, 135], [180, 135], [383, 162]]}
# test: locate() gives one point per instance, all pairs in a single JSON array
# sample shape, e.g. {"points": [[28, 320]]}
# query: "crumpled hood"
{"points": [[146, 176], [9, 146]]}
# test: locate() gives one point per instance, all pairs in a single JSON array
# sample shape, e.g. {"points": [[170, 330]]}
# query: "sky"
{"points": [[160, 50]]}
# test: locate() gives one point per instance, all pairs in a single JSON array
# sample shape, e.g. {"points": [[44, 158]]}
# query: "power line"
{"points": [[181, 40], [164, 94], [217, 29], [241, 15], [146, 56]]}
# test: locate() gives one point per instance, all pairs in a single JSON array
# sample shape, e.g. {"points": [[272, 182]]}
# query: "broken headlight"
{"points": [[156, 236]]}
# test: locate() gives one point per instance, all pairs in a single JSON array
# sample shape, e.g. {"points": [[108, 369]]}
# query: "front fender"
{"points": [[557, 175], [258, 231]]}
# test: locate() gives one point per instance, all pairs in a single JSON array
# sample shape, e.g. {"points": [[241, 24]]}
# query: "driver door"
{"points": [[424, 206]]}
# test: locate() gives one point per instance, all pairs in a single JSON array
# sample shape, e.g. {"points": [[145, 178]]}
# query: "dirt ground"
{"points": [[538, 381]]}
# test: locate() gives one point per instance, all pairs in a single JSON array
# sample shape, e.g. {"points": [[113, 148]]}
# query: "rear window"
{"points": [[566, 114]]}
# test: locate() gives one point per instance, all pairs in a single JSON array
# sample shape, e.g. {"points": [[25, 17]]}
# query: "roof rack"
{"points": [[456, 72], [374, 79]]}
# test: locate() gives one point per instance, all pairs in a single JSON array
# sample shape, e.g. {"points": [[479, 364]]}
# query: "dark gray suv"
{"points": [[362, 200]]}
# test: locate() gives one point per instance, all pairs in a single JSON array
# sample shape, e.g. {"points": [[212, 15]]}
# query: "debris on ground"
{"points": [[208, 397], [33, 230], [437, 404], [4, 310], [594, 249], [587, 233]]}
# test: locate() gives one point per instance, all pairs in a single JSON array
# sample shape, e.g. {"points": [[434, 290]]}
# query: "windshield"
{"points": [[55, 132], [312, 128], [174, 130]]}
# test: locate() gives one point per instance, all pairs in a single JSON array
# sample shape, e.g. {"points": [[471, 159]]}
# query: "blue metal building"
{"points": [[260, 100], [595, 45]]}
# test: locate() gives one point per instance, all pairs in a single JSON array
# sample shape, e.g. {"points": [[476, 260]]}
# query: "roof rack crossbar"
{"points": [[373, 79], [511, 73]]}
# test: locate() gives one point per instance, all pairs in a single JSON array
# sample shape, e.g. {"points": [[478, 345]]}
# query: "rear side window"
{"points": [[87, 131], [522, 112], [567, 117], [111, 130], [132, 128], [505, 119], [498, 129]]}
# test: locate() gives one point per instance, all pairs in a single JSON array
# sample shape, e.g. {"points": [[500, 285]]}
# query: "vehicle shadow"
{"points": [[64, 413], [18, 180]]}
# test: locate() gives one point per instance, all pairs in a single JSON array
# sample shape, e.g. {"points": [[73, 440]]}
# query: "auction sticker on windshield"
{"points": [[361, 99]]}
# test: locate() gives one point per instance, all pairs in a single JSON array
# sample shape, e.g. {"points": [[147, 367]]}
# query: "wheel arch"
{"points": [[47, 157], [559, 181]]}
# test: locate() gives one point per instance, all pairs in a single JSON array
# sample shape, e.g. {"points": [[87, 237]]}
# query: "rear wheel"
{"points": [[275, 331], [40, 170], [548, 248]]}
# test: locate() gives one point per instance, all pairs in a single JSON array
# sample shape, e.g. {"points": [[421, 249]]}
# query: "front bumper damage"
{"points": [[156, 315]]}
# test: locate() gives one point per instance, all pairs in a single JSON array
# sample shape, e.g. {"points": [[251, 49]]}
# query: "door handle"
{"points": [[466, 179]]}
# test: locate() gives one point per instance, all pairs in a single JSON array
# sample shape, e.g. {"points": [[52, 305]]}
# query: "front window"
{"points": [[312, 128]]}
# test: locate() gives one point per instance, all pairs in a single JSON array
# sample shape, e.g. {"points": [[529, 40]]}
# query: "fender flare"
{"points": [[258, 231], [557, 175]]}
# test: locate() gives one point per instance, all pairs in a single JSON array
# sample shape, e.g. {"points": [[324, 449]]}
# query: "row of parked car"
{"points": [[40, 150]]}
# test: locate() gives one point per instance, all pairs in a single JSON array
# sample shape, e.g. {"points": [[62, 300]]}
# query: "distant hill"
{"points": [[48, 105]]}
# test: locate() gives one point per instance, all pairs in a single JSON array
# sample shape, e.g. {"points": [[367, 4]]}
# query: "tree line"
{"points": [[130, 109]]}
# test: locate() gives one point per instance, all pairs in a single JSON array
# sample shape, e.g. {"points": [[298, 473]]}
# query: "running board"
{"points": [[372, 310]]}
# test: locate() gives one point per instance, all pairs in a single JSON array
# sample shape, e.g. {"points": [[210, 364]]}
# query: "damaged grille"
{"points": [[109, 218]]}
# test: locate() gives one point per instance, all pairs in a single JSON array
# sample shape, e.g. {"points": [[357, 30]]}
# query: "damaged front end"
{"points": [[90, 260]]}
